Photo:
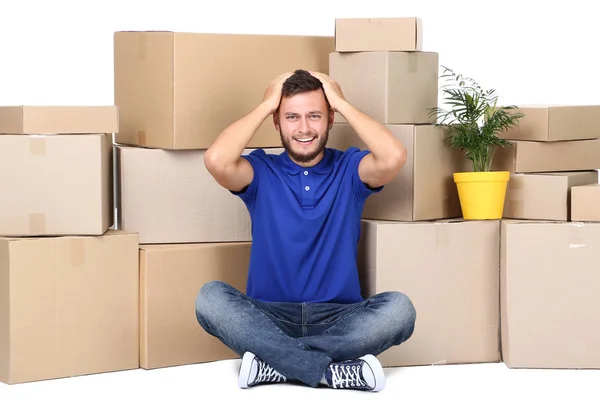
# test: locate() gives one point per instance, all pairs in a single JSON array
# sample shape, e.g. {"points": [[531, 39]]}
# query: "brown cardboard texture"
{"points": [[543, 196], [391, 87], [530, 156], [378, 34], [179, 90], [56, 184], [550, 294], [58, 119], [170, 278], [549, 123], [168, 196], [424, 189], [585, 203], [450, 271], [68, 306]]}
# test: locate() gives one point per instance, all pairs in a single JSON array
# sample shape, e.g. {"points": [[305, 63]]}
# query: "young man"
{"points": [[303, 317]]}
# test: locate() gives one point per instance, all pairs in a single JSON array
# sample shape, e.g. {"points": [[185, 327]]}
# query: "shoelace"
{"points": [[266, 373], [346, 376]]}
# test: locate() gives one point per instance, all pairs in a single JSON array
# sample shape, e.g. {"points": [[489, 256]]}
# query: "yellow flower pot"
{"points": [[482, 194]]}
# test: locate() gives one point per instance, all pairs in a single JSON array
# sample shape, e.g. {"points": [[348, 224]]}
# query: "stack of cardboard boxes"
{"points": [[176, 92], [68, 283], [412, 239]]}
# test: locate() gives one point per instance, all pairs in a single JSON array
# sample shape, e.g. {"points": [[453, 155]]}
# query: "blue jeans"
{"points": [[300, 340]]}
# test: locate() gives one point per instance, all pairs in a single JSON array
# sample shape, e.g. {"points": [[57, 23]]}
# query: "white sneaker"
{"points": [[253, 371], [366, 373]]}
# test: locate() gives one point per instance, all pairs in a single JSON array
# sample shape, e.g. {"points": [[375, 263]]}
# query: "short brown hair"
{"points": [[301, 82]]}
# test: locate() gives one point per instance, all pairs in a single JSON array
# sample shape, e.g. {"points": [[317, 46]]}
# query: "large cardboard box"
{"points": [[530, 156], [585, 202], [179, 90], [170, 278], [56, 184], [550, 294], [424, 189], [58, 119], [391, 87], [168, 196], [543, 196], [68, 306], [378, 34], [549, 123], [450, 271]]}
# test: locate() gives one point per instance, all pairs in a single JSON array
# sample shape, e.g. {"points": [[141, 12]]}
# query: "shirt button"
{"points": [[305, 172], [306, 188]]}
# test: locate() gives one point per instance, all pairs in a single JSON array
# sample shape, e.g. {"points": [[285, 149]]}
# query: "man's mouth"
{"points": [[305, 140]]}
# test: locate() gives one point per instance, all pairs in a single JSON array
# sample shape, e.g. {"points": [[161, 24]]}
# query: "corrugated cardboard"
{"points": [[543, 196], [180, 90], [56, 184], [378, 34], [391, 87], [424, 189], [58, 119], [550, 294], [68, 306], [585, 203], [450, 271], [529, 156], [168, 196], [170, 278], [549, 123]]}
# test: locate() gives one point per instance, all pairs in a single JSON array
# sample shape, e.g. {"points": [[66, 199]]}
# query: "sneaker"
{"points": [[365, 373], [253, 371]]}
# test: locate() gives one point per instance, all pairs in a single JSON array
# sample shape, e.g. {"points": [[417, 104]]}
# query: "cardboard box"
{"points": [[391, 87], [168, 196], [170, 278], [378, 34], [550, 292], [68, 306], [585, 202], [543, 196], [424, 189], [56, 184], [450, 271], [58, 119], [553, 123], [529, 156], [180, 90]]}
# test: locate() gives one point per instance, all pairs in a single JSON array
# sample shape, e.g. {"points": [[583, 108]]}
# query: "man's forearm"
{"points": [[380, 141], [231, 143]]}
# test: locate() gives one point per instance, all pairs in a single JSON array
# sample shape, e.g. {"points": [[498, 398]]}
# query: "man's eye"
{"points": [[291, 117]]}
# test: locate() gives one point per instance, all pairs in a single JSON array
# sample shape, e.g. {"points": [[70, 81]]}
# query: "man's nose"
{"points": [[304, 124]]}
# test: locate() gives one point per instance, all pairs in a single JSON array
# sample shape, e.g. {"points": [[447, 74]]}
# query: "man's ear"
{"points": [[331, 117], [276, 121]]}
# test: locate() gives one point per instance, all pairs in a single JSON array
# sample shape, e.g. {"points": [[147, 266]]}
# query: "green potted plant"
{"points": [[473, 123]]}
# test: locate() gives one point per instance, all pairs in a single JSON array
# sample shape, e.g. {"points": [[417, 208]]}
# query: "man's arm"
{"points": [[388, 154], [223, 158]]}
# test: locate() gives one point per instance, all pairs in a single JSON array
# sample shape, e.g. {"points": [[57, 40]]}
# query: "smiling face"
{"points": [[303, 121]]}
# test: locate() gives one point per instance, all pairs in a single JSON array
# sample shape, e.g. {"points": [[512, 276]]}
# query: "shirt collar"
{"points": [[322, 167]]}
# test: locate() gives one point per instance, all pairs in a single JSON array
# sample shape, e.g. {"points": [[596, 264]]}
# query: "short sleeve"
{"points": [[361, 189], [256, 159]]}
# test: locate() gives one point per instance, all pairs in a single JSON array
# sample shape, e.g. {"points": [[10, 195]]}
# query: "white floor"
{"points": [[219, 379]]}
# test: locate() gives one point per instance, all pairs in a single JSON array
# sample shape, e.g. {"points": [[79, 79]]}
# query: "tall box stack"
{"points": [[412, 238], [68, 282], [176, 92], [549, 238]]}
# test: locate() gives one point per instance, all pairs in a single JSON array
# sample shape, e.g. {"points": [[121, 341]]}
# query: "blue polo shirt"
{"points": [[305, 227]]}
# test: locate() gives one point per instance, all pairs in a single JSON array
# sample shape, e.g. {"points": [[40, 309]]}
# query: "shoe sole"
{"points": [[245, 370], [377, 370]]}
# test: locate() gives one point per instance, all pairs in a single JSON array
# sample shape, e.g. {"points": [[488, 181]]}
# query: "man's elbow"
{"points": [[395, 160]]}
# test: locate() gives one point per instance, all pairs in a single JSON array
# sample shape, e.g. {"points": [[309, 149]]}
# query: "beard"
{"points": [[305, 157]]}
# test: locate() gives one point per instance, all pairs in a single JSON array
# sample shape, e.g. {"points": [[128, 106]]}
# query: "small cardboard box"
{"points": [[378, 34]]}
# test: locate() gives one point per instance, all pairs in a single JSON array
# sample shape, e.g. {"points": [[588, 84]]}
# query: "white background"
{"points": [[58, 52]]}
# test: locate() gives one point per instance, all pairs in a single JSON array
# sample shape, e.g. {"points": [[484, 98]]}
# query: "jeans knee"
{"points": [[208, 299], [402, 314]]}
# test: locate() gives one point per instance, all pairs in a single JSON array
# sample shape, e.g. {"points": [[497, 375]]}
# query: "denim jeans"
{"points": [[300, 340]]}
